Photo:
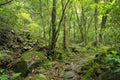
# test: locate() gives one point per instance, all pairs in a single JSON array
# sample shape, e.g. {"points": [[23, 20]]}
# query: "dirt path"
{"points": [[70, 68]]}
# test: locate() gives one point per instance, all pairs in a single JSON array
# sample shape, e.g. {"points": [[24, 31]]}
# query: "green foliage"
{"points": [[26, 17], [113, 59], [103, 66], [32, 20], [34, 29], [7, 17], [6, 76], [15, 76], [5, 56], [21, 67]]}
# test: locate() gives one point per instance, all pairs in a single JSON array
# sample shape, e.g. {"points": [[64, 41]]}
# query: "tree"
{"points": [[106, 11], [65, 35], [96, 22], [53, 24], [55, 30]]}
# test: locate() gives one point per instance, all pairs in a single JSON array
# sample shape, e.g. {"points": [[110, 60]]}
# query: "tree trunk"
{"points": [[41, 15], [74, 32], [79, 24], [65, 31], [83, 24], [65, 37], [53, 24], [103, 23], [96, 24]]}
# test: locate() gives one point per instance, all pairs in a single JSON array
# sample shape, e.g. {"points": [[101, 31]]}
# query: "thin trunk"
{"points": [[53, 24], [55, 30], [80, 26], [74, 32], [96, 24], [83, 23], [103, 25], [65, 35], [41, 15], [65, 38]]}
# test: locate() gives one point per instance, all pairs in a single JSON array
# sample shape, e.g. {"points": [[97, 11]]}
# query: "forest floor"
{"points": [[68, 69]]}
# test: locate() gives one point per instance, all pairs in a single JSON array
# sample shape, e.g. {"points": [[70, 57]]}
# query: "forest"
{"points": [[59, 40]]}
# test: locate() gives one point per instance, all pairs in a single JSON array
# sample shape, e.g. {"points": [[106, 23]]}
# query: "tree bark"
{"points": [[41, 15], [96, 24], [83, 25], [53, 23], [103, 23], [65, 36]]}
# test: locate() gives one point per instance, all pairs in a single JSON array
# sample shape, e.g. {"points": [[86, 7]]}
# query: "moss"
{"points": [[21, 67], [33, 56]]}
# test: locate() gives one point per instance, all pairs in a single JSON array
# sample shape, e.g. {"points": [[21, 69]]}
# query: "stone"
{"points": [[69, 74]]}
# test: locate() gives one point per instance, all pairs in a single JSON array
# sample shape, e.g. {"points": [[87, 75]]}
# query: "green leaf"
{"points": [[15, 76]]}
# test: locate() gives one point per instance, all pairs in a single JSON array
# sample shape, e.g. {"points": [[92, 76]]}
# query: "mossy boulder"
{"points": [[21, 67], [33, 56]]}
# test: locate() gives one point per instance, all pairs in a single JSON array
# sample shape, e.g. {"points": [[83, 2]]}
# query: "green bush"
{"points": [[5, 76], [104, 65]]}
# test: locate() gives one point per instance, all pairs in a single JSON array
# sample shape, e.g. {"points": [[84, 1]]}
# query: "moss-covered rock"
{"points": [[21, 67], [33, 56]]}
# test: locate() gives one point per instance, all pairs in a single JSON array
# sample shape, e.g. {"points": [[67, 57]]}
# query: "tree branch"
{"points": [[1, 4]]}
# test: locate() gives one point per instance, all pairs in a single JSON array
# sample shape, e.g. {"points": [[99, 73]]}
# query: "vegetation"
{"points": [[59, 40]]}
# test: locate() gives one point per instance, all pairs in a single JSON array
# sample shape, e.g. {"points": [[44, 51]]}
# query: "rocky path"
{"points": [[70, 68]]}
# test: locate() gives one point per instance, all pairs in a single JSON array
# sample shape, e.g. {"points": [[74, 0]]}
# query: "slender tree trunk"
{"points": [[80, 26], [65, 31], [55, 29], [41, 15], [53, 24], [83, 23], [65, 38], [103, 23], [74, 32], [96, 24]]}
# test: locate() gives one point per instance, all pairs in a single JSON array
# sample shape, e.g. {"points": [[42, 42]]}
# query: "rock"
{"points": [[21, 67], [39, 77], [69, 74]]}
